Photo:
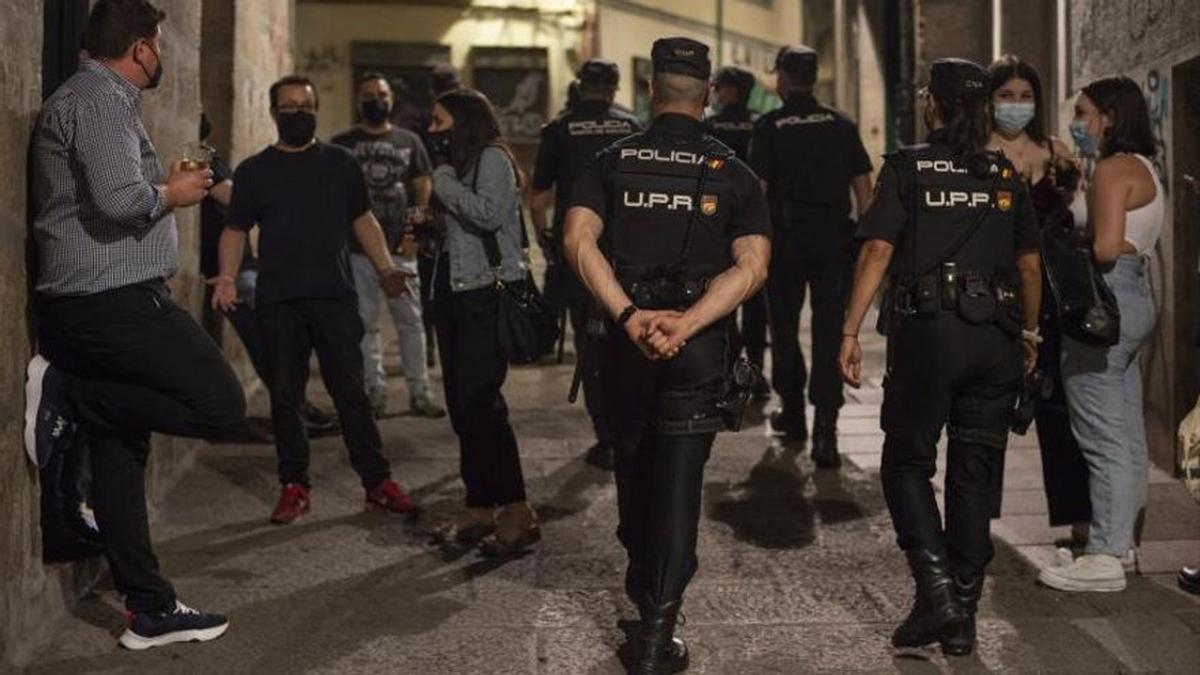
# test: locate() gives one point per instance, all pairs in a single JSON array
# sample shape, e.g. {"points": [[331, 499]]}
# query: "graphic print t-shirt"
{"points": [[389, 162]]}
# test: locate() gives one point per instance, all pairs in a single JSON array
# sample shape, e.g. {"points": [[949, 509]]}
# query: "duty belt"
{"points": [[666, 292], [945, 291]]}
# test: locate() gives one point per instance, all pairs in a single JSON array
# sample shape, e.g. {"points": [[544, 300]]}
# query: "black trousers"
{"points": [[1064, 471], [474, 370], [660, 469], [425, 265], [138, 363], [800, 264], [593, 394], [290, 331], [944, 372]]}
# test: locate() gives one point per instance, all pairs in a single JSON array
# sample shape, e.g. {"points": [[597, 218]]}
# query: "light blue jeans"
{"points": [[406, 317], [1104, 397]]}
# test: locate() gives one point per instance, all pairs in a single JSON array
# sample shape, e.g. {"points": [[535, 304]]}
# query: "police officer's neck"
{"points": [[692, 110]]}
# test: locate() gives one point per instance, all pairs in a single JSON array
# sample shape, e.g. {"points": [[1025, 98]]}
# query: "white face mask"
{"points": [[1011, 117]]}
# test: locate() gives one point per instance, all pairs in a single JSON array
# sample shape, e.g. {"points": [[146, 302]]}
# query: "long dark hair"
{"points": [[1121, 99], [1009, 67], [475, 128], [965, 127]]}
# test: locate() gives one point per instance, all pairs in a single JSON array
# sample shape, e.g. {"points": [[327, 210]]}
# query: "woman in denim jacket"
{"points": [[1104, 384], [477, 184]]}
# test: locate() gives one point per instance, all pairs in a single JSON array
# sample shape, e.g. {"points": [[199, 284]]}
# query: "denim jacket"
{"points": [[489, 202]]}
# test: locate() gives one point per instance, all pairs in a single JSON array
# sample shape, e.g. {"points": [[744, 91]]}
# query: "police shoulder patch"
{"points": [[1004, 199], [708, 204]]}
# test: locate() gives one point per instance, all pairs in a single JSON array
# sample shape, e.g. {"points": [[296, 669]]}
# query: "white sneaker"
{"points": [[1129, 562], [1098, 573]]}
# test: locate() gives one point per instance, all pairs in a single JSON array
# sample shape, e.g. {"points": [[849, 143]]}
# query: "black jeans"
{"points": [[474, 370], [138, 363], [1064, 471], [799, 264], [659, 469], [945, 372], [290, 331]]}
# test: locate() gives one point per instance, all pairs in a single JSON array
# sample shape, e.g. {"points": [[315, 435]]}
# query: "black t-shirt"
{"points": [[569, 143], [949, 200], [213, 217], [808, 154], [733, 126], [390, 161], [643, 188], [304, 204]]}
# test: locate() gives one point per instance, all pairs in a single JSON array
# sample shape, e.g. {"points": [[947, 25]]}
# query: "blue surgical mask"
{"points": [[1083, 140], [1011, 117]]}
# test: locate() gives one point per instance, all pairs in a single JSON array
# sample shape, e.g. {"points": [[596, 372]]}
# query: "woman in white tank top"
{"points": [[1124, 211]]}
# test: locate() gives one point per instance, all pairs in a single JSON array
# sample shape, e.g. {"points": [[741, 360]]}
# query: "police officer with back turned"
{"points": [[568, 144], [810, 156], [953, 226], [733, 125], [670, 233]]}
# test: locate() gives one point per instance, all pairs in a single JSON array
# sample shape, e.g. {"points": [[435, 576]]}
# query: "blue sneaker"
{"points": [[48, 428], [181, 624]]}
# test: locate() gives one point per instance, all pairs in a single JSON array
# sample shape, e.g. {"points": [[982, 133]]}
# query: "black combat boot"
{"points": [[791, 421], [960, 641], [935, 613], [660, 652], [824, 444]]}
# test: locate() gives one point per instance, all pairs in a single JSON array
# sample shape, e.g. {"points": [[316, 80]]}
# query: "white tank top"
{"points": [[1144, 225]]}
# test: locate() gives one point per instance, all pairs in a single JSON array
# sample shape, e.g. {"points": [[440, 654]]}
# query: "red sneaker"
{"points": [[387, 496], [293, 503]]}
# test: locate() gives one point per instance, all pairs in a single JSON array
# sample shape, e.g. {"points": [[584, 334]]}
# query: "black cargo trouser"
{"points": [[751, 334], [944, 372], [291, 330], [660, 457], [579, 306], [137, 363], [801, 262]]}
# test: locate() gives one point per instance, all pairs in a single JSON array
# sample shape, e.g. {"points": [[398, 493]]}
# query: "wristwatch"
{"points": [[626, 314]]}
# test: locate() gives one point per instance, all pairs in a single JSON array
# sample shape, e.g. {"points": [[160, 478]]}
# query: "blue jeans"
{"points": [[406, 317], [1104, 395]]}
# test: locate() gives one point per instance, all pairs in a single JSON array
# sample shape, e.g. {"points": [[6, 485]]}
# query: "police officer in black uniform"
{"points": [[953, 226], [568, 145], [810, 156], [733, 125], [669, 231]]}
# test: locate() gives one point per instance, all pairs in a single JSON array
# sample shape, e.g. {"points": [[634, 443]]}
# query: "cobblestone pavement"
{"points": [[799, 572]]}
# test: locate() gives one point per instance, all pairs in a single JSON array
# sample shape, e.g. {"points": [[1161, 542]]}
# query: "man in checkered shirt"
{"points": [[118, 359]]}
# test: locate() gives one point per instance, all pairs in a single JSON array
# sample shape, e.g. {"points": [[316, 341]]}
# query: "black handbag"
{"points": [[526, 325], [1087, 308]]}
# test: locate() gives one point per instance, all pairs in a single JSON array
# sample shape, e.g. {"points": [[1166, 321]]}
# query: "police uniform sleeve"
{"points": [[760, 150], [546, 165], [887, 214], [752, 216], [860, 161], [589, 190], [1026, 227]]}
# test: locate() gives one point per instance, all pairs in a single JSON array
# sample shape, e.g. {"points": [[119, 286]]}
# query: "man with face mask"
{"points": [[118, 359], [394, 164], [308, 198]]}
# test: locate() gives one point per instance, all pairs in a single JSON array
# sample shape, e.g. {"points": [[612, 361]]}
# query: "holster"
{"points": [[735, 394]]}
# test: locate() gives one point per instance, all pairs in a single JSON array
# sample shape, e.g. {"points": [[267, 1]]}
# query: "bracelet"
{"points": [[626, 314], [1031, 336]]}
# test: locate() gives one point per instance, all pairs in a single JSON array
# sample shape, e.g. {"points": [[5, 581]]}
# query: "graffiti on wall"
{"points": [[1156, 87]]}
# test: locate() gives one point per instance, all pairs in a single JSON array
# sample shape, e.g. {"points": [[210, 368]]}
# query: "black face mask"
{"points": [[296, 129], [439, 146], [375, 112], [155, 77]]}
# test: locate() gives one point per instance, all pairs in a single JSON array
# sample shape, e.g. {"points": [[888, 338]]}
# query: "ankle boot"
{"points": [[824, 445], [516, 530], [960, 640], [660, 653], [935, 613], [791, 420]]}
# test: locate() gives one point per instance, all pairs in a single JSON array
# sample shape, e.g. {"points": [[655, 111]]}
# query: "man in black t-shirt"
{"points": [[308, 199], [810, 156], [395, 164]]}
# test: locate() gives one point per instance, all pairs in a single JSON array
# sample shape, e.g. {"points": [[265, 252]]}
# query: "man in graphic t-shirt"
{"points": [[396, 169]]}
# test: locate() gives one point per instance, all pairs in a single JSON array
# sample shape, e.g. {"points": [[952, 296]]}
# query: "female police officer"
{"points": [[964, 230]]}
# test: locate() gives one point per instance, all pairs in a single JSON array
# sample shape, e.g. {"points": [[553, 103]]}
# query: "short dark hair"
{"points": [[115, 25], [370, 76], [288, 81], [1121, 99], [1009, 67]]}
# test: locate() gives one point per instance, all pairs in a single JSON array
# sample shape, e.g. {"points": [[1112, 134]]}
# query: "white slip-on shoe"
{"points": [[1097, 573]]}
